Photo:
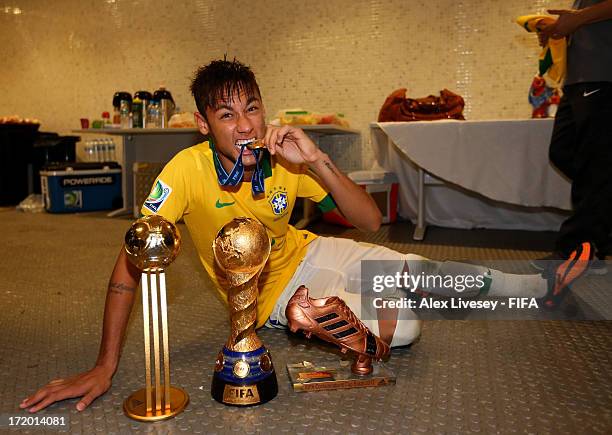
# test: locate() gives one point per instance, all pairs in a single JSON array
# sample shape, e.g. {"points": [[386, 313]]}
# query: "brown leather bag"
{"points": [[399, 108]]}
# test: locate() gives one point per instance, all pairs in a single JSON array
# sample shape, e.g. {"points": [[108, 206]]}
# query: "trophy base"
{"points": [[135, 405], [306, 376], [244, 395], [244, 378]]}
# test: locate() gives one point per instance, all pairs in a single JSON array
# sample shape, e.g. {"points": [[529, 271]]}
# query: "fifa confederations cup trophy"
{"points": [[244, 374], [151, 244]]}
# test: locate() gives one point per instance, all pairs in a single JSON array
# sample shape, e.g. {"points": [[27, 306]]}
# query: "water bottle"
{"points": [[110, 147], [153, 115], [112, 155], [116, 117], [137, 119], [145, 98], [94, 150], [166, 105], [103, 150], [89, 151], [125, 114]]}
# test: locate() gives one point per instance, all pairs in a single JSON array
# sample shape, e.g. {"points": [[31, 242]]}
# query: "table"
{"points": [[317, 133], [161, 144], [503, 164], [149, 145]]}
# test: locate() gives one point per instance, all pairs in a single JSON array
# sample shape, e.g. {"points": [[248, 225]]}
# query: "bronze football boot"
{"points": [[332, 320]]}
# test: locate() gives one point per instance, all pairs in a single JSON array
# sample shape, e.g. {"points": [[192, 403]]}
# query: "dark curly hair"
{"points": [[219, 80]]}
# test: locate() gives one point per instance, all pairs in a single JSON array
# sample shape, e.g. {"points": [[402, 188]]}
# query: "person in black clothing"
{"points": [[581, 144]]}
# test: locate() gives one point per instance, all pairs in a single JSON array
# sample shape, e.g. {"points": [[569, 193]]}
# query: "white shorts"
{"points": [[332, 267]]}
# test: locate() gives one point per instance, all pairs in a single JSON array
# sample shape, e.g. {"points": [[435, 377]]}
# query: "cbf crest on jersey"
{"points": [[278, 200], [159, 194]]}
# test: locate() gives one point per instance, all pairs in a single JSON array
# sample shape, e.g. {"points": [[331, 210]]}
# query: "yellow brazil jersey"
{"points": [[188, 187]]}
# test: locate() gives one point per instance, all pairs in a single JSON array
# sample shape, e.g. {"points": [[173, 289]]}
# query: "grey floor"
{"points": [[461, 376]]}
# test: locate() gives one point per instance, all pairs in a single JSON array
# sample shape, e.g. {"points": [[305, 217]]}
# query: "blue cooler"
{"points": [[76, 187]]}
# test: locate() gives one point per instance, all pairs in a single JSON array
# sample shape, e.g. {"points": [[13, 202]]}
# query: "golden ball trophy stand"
{"points": [[244, 374], [151, 244]]}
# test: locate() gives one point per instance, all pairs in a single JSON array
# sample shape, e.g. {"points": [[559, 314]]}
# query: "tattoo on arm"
{"points": [[120, 288], [330, 167]]}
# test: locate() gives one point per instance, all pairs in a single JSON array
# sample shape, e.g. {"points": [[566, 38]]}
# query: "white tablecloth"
{"points": [[497, 173]]}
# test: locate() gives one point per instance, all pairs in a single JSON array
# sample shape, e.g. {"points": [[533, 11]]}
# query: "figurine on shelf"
{"points": [[539, 95]]}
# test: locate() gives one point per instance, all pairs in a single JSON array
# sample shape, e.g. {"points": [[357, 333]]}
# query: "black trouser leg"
{"points": [[563, 141], [586, 121]]}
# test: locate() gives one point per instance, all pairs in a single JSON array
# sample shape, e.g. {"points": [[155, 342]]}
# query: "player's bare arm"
{"points": [[119, 300], [95, 382]]}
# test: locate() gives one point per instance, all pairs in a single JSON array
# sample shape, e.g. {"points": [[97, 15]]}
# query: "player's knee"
{"points": [[414, 257]]}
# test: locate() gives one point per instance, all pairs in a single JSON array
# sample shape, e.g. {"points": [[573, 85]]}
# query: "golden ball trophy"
{"points": [[151, 244], [244, 374]]}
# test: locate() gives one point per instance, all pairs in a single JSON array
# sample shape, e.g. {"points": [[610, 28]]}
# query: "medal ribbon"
{"points": [[237, 172]]}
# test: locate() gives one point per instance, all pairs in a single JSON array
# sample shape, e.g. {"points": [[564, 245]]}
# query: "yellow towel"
{"points": [[553, 56]]}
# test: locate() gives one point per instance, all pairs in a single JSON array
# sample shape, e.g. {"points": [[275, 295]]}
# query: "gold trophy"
{"points": [[151, 244], [244, 374]]}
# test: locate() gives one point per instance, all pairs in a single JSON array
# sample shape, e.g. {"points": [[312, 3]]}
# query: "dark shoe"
{"points": [[561, 276], [596, 267], [544, 263]]}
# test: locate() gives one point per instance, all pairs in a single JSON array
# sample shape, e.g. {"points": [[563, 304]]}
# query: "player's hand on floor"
{"points": [[88, 385]]}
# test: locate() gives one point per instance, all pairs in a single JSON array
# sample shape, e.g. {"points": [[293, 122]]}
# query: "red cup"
{"points": [[84, 123]]}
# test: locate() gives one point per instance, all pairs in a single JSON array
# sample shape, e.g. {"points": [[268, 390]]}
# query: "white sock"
{"points": [[511, 285]]}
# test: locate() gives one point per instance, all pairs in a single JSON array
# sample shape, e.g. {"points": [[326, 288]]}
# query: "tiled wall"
{"points": [[63, 60]]}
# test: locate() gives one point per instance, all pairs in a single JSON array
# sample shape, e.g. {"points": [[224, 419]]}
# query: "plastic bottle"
{"points": [[94, 150], [110, 146], [125, 114], [153, 115], [137, 121], [100, 153], [103, 150], [116, 117], [112, 154], [166, 104], [89, 151], [145, 97]]}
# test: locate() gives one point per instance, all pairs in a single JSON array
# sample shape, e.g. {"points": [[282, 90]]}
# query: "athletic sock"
{"points": [[511, 285]]}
